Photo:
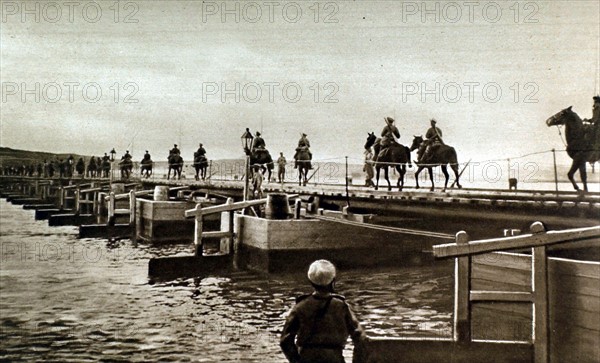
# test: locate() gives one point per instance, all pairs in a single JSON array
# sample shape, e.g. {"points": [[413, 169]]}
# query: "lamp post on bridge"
{"points": [[247, 140], [112, 159]]}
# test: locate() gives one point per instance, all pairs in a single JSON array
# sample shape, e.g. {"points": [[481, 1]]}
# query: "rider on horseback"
{"points": [[432, 142], [201, 151], [174, 150], [595, 120], [259, 143], [127, 156], [303, 144], [146, 158], [389, 134]]}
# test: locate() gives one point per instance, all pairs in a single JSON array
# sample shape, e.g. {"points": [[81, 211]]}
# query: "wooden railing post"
{"points": [[230, 227], [132, 207], [540, 293], [198, 231], [111, 209], [297, 208], [76, 196], [61, 198], [462, 288]]}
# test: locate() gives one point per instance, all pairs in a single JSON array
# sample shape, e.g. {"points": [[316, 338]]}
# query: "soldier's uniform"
{"points": [[302, 143], [432, 142], [318, 326], [201, 151], [258, 143], [175, 150]]}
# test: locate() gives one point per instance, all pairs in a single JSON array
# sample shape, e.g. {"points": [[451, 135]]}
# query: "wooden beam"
{"points": [[462, 287], [522, 241], [216, 234], [540, 306], [222, 208], [509, 296]]}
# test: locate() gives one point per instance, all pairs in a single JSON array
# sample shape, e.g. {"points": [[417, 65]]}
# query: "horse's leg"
{"points": [[378, 169], [387, 178], [430, 169], [445, 171], [401, 170], [299, 176], [456, 175], [583, 175], [419, 168], [571, 173]]}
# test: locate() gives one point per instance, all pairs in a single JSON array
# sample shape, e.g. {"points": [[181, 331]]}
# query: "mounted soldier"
{"points": [[595, 120], [303, 145], [146, 158], [389, 134], [174, 150], [433, 140], [201, 151], [258, 144], [127, 156]]}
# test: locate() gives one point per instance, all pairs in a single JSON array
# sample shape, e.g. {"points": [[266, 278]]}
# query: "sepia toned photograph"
{"points": [[302, 181]]}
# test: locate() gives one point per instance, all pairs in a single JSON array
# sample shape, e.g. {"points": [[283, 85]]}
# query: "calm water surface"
{"points": [[64, 299]]}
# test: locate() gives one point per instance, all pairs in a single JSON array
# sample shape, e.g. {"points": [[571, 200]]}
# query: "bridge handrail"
{"points": [[226, 207], [537, 238], [126, 195]]}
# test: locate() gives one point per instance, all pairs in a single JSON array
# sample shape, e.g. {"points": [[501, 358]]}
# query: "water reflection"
{"points": [[64, 299]]}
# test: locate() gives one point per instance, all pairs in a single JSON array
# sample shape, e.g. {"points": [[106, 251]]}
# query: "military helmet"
{"points": [[321, 272], [389, 119]]}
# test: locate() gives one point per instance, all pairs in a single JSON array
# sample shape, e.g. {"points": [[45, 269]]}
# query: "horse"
{"points": [[395, 155], [106, 166], [304, 165], [146, 168], [92, 168], [175, 164], [126, 166], [200, 164], [442, 156], [80, 167], [261, 157], [583, 143]]}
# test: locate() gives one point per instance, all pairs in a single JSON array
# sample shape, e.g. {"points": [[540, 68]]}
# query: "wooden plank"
{"points": [[121, 211], [541, 313], [522, 241], [502, 321], [223, 207], [513, 296], [576, 284], [509, 260], [574, 345], [216, 234], [490, 274], [462, 287], [564, 266]]}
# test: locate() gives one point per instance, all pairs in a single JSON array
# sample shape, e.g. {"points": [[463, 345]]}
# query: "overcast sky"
{"points": [[353, 62]]}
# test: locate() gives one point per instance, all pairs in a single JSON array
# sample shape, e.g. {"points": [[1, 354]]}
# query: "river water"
{"points": [[70, 300]]}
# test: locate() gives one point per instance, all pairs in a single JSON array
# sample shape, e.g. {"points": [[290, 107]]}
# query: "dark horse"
{"points": [[200, 164], [261, 157], [92, 168], [583, 142], [126, 166], [175, 164], [442, 156], [396, 155], [146, 168], [304, 165], [106, 166]]}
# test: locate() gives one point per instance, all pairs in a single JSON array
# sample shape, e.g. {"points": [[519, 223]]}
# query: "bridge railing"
{"points": [[463, 251]]}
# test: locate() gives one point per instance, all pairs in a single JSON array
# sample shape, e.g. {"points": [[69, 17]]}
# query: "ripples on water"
{"points": [[64, 299]]}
